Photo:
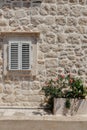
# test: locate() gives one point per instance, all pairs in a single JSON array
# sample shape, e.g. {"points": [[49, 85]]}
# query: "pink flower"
{"points": [[71, 80], [56, 79], [62, 76], [46, 83]]}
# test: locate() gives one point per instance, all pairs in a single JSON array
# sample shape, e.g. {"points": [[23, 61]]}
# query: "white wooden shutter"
{"points": [[19, 55], [13, 56], [26, 56]]}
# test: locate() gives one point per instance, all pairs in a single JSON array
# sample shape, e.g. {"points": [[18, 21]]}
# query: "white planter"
{"points": [[78, 107]]}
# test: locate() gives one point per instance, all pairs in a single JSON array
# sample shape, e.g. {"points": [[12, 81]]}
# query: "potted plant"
{"points": [[66, 95]]}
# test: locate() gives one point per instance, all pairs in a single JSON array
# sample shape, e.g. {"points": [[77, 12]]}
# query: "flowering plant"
{"points": [[64, 86]]}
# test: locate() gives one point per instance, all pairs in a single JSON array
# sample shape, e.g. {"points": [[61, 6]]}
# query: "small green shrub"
{"points": [[67, 103], [64, 86]]}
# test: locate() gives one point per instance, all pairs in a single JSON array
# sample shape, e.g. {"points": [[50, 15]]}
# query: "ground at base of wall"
{"points": [[38, 119], [36, 114], [22, 112]]}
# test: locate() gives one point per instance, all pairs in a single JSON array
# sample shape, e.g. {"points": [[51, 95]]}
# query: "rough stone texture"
{"points": [[60, 20], [71, 21], [62, 10], [73, 1], [62, 45], [83, 21]]}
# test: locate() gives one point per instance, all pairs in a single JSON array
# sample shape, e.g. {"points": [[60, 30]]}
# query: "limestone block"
{"points": [[61, 38], [27, 28], [8, 14], [43, 28], [45, 9], [3, 22], [81, 71], [81, 29], [56, 28], [1, 12], [84, 11], [49, 20], [51, 55], [51, 63], [75, 11], [73, 39], [1, 70], [50, 1], [35, 20], [62, 10], [24, 21], [1, 61], [82, 2], [78, 53], [70, 52], [60, 20], [30, 92], [71, 21], [70, 29], [54, 48], [71, 57], [33, 11], [85, 51], [1, 42], [84, 41], [60, 70], [35, 85], [83, 21], [41, 78], [17, 91], [41, 61], [62, 1], [63, 53], [21, 98], [1, 88], [25, 85], [60, 48], [29, 98], [40, 55], [20, 14], [50, 38], [41, 70], [8, 89], [63, 62], [73, 1], [13, 22], [1, 77], [51, 72], [45, 47], [78, 65], [36, 98], [53, 9], [8, 99]]}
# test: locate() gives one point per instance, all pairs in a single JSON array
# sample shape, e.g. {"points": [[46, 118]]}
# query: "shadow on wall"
{"points": [[19, 3]]}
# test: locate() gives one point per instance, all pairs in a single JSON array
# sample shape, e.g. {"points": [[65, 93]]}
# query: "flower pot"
{"points": [[77, 107]]}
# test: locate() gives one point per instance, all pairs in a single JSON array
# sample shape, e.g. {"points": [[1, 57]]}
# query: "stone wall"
{"points": [[62, 46]]}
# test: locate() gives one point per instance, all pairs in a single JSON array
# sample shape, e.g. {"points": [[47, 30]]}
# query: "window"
{"points": [[19, 55]]}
